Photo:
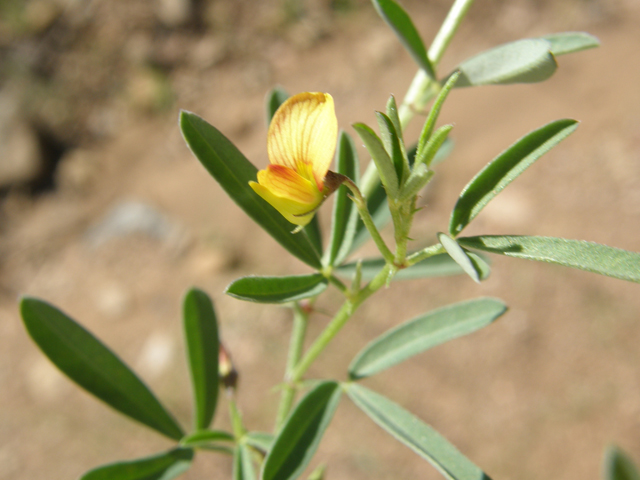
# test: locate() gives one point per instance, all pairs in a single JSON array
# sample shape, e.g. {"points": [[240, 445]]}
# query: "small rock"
{"points": [[77, 171], [130, 218], [174, 13], [20, 155], [156, 355]]}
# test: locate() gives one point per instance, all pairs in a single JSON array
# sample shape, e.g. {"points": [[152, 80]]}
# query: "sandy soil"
{"points": [[539, 394]]}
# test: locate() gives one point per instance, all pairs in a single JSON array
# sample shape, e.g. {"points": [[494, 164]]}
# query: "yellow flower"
{"points": [[301, 142]]}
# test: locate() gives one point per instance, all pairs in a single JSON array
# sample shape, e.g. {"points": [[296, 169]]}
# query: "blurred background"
{"points": [[105, 213]]}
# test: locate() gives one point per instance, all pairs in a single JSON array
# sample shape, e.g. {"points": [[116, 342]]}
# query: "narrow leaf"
{"points": [[522, 61], [434, 146], [345, 214], [90, 364], [233, 172], [460, 256], [589, 256], [164, 466], [418, 179], [277, 289], [300, 436], [242, 464], [263, 441], [276, 97], [505, 168], [571, 42], [401, 23], [424, 332], [383, 162], [201, 337], [392, 144], [430, 122], [415, 434], [618, 465]]}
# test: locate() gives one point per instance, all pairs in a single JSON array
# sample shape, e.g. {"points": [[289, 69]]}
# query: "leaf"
{"points": [[277, 289], [434, 147], [201, 338], [424, 332], [384, 163], [276, 97], [618, 465], [163, 466], [571, 42], [589, 256], [505, 168], [430, 122], [242, 464], [522, 61], [392, 144], [200, 437], [299, 437], [345, 214], [401, 23], [90, 364], [418, 179], [263, 441], [233, 172], [415, 434], [436, 266], [461, 257]]}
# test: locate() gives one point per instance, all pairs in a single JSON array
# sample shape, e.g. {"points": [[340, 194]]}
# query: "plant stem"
{"points": [[424, 254], [348, 307], [361, 205], [298, 333]]}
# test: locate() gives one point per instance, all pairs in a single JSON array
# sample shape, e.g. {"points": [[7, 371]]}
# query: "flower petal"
{"points": [[304, 132], [295, 197]]}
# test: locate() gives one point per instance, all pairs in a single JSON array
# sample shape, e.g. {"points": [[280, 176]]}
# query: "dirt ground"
{"points": [[538, 394]]}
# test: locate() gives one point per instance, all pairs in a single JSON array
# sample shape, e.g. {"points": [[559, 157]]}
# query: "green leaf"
{"points": [[468, 265], [418, 179], [263, 441], [345, 213], [201, 337], [90, 364], [164, 466], [233, 172], [436, 266], [571, 42], [430, 122], [618, 465], [242, 464], [392, 144], [384, 164], [206, 436], [299, 437], [276, 97], [418, 436], [505, 168], [589, 256], [424, 332], [379, 210], [522, 61], [401, 23], [277, 289], [434, 146]]}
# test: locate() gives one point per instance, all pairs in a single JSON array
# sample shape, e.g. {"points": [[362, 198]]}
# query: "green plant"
{"points": [[283, 199]]}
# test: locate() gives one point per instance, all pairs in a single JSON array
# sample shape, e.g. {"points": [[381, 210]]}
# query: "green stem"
{"points": [[361, 205], [348, 307], [298, 333], [236, 418], [424, 254]]}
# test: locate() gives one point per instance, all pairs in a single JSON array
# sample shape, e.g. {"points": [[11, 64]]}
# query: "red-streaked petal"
{"points": [[304, 130]]}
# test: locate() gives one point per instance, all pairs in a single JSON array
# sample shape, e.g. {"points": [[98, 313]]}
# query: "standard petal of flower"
{"points": [[304, 130], [296, 198]]}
